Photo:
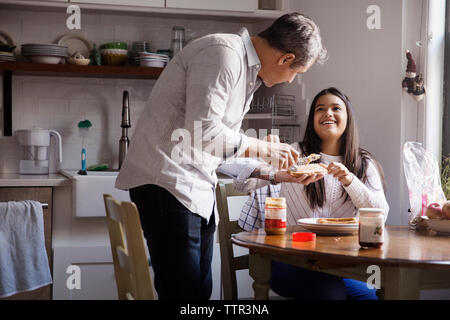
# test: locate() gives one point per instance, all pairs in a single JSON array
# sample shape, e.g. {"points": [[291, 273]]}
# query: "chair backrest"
{"points": [[229, 263], [131, 266]]}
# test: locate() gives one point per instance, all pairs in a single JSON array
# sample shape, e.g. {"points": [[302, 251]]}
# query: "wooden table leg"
{"points": [[260, 269], [401, 283]]}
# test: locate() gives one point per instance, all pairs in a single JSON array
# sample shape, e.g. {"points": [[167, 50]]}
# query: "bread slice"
{"points": [[351, 220], [308, 169]]}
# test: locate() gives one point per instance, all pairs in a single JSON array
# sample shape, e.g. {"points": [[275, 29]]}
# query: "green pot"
{"points": [[114, 45]]}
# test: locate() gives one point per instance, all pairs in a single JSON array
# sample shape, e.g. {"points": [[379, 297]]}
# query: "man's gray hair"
{"points": [[298, 34]]}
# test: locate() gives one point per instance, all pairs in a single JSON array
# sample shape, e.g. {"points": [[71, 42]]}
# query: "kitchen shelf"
{"points": [[63, 70], [68, 70]]}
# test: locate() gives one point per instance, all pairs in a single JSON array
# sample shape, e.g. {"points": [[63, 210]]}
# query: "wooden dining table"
{"points": [[408, 261]]}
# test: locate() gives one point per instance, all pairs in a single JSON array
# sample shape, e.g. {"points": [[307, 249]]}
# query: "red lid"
{"points": [[303, 236]]}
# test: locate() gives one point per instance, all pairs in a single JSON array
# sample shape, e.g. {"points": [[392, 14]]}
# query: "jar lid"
{"points": [[303, 236], [276, 202]]}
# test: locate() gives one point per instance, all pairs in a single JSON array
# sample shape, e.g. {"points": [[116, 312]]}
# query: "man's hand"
{"points": [[279, 155], [272, 138], [305, 179]]}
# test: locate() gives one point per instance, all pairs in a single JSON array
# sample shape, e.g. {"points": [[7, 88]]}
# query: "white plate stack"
{"points": [[7, 56], [44, 53], [149, 59], [7, 47], [136, 47]]}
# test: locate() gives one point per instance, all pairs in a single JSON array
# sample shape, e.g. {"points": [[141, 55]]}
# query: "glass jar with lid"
{"points": [[371, 227], [275, 215]]}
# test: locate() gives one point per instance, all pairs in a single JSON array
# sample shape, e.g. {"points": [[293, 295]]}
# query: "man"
{"points": [[202, 97]]}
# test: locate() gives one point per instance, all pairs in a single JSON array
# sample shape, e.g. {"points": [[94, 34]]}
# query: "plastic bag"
{"points": [[423, 179]]}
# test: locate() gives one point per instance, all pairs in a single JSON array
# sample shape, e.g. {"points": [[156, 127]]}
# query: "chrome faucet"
{"points": [[124, 141]]}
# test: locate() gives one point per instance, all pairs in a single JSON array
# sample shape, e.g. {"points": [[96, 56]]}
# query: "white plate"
{"points": [[45, 53], [148, 60], [154, 55], [43, 50], [46, 45], [75, 42], [62, 49], [6, 38], [311, 224], [440, 226]]}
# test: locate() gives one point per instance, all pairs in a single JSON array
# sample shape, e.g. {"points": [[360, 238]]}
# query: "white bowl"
{"points": [[113, 51], [78, 62], [440, 226], [152, 63], [45, 59]]}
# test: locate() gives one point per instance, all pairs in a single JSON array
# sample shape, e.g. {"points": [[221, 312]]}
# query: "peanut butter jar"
{"points": [[275, 215]]}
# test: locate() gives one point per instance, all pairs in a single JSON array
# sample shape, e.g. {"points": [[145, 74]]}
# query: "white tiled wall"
{"points": [[60, 103]]}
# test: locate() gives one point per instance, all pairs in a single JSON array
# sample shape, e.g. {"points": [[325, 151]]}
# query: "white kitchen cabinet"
{"points": [[138, 3], [260, 9], [230, 5], [46, 3], [96, 273], [44, 0]]}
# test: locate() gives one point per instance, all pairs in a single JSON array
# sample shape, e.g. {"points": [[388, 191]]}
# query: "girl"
{"points": [[354, 180]]}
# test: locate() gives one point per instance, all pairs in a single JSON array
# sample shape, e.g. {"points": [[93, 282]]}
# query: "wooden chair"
{"points": [[131, 267], [229, 263]]}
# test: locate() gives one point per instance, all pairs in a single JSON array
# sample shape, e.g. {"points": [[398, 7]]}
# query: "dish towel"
{"points": [[23, 259]]}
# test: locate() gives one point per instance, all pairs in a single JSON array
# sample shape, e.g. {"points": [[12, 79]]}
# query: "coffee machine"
{"points": [[34, 150]]}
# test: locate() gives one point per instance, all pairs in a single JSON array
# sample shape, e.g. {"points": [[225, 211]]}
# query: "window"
{"points": [[446, 115], [445, 173]]}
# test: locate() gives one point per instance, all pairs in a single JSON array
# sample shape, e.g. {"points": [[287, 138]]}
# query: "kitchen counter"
{"points": [[18, 180]]}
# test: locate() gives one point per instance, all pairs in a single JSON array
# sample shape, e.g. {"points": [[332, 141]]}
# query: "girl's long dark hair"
{"points": [[355, 159]]}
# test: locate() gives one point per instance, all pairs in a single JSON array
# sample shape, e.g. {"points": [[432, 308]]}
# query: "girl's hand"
{"points": [[305, 179], [340, 172]]}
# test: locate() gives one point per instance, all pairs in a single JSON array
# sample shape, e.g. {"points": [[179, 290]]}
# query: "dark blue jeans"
{"points": [[180, 244], [303, 284]]}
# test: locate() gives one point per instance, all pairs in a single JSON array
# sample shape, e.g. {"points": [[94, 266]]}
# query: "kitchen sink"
{"points": [[88, 190]]}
